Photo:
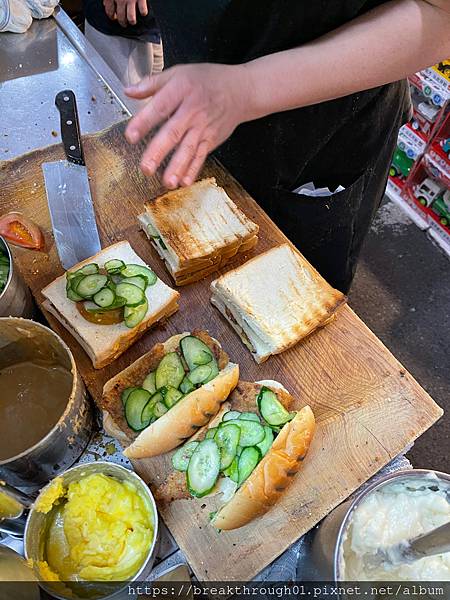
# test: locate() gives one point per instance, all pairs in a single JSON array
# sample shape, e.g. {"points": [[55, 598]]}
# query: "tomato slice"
{"points": [[21, 231]]}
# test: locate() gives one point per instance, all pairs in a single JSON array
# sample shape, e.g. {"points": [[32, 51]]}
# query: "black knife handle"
{"points": [[70, 127]]}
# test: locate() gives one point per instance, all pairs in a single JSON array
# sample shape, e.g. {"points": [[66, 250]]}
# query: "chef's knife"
{"points": [[68, 194]]}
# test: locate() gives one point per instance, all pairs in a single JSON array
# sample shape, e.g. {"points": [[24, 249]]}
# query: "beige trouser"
{"points": [[129, 59]]}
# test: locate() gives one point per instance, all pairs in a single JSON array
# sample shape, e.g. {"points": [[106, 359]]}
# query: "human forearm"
{"points": [[384, 45]]}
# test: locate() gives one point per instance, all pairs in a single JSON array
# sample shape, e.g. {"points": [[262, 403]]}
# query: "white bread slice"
{"points": [[200, 226], [104, 343], [274, 300], [182, 421]]}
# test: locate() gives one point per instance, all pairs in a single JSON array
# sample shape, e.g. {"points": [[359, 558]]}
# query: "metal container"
{"points": [[17, 580], [37, 524], [327, 546], [15, 298], [23, 340]]}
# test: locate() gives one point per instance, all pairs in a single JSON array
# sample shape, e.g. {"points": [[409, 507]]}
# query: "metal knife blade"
{"points": [[68, 193]]}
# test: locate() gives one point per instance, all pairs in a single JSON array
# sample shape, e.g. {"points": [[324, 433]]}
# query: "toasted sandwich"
{"points": [[107, 301], [274, 300], [197, 229]]}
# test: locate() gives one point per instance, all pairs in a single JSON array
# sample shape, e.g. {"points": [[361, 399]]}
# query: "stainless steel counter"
{"points": [[34, 66]]}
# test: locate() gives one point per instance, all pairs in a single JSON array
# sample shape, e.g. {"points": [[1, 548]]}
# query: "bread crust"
{"points": [[185, 418], [272, 475]]}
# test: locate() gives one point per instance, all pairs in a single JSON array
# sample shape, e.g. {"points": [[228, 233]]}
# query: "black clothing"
{"points": [[346, 141], [145, 29]]}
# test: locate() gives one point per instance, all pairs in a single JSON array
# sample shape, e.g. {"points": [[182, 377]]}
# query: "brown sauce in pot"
{"points": [[33, 397]]}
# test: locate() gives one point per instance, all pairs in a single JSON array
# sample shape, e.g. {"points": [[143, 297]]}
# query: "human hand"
{"points": [[125, 10], [197, 106]]}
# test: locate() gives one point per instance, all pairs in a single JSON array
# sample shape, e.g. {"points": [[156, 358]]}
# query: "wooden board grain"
{"points": [[367, 406]]}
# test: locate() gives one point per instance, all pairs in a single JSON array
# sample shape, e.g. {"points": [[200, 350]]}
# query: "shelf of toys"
{"points": [[419, 177]]}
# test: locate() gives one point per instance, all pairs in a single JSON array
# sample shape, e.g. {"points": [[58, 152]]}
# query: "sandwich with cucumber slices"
{"points": [[245, 458], [168, 394], [109, 300]]}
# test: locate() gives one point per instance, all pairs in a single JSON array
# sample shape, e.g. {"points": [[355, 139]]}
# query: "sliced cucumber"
{"points": [[210, 433], [152, 231], [170, 371], [114, 266], [126, 392], [214, 370], [160, 409], [134, 406], [251, 432], [171, 395], [69, 292], [201, 374], [181, 458], [248, 460], [249, 416], [104, 298], [89, 285], [203, 468], [195, 352], [132, 293], [89, 269], [272, 411], [92, 307], [232, 471], [227, 438], [139, 280], [186, 385], [148, 414], [149, 383], [134, 315], [267, 442], [230, 415], [133, 270]]}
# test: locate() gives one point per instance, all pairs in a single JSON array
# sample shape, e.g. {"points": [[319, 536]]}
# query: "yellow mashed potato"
{"points": [[100, 530]]}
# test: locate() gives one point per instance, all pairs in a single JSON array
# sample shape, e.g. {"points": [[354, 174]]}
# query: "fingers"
{"points": [[110, 8], [196, 164], [148, 86], [181, 159], [167, 138], [143, 9], [121, 12], [157, 110], [131, 12]]}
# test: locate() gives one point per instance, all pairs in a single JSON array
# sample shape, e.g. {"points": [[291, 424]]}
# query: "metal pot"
{"points": [[23, 340], [327, 546], [37, 525], [15, 298]]}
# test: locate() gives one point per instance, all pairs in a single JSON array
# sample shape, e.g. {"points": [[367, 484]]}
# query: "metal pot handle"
{"points": [[13, 506]]}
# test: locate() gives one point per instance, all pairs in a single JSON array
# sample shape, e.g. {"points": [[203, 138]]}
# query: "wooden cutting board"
{"points": [[368, 407]]}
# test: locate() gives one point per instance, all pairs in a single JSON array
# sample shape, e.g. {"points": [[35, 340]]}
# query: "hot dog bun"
{"points": [[183, 419], [272, 475]]}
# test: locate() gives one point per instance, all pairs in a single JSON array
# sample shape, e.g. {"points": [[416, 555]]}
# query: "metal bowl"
{"points": [[36, 528], [15, 298], [327, 546], [24, 340]]}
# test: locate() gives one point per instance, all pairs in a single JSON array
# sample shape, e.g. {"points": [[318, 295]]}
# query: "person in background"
{"points": [[288, 92], [125, 35]]}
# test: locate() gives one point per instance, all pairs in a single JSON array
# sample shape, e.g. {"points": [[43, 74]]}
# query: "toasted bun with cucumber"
{"points": [[183, 415], [241, 471], [105, 342], [271, 476]]}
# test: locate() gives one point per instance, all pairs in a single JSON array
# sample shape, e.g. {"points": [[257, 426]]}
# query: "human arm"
{"points": [[125, 10], [199, 106]]}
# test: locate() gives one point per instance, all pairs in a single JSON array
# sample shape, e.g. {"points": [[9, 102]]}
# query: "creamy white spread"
{"points": [[391, 515]]}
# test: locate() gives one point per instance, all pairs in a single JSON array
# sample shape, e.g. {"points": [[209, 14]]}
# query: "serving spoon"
{"points": [[436, 541]]}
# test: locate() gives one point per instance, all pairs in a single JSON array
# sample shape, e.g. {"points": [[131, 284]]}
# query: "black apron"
{"points": [[348, 141]]}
